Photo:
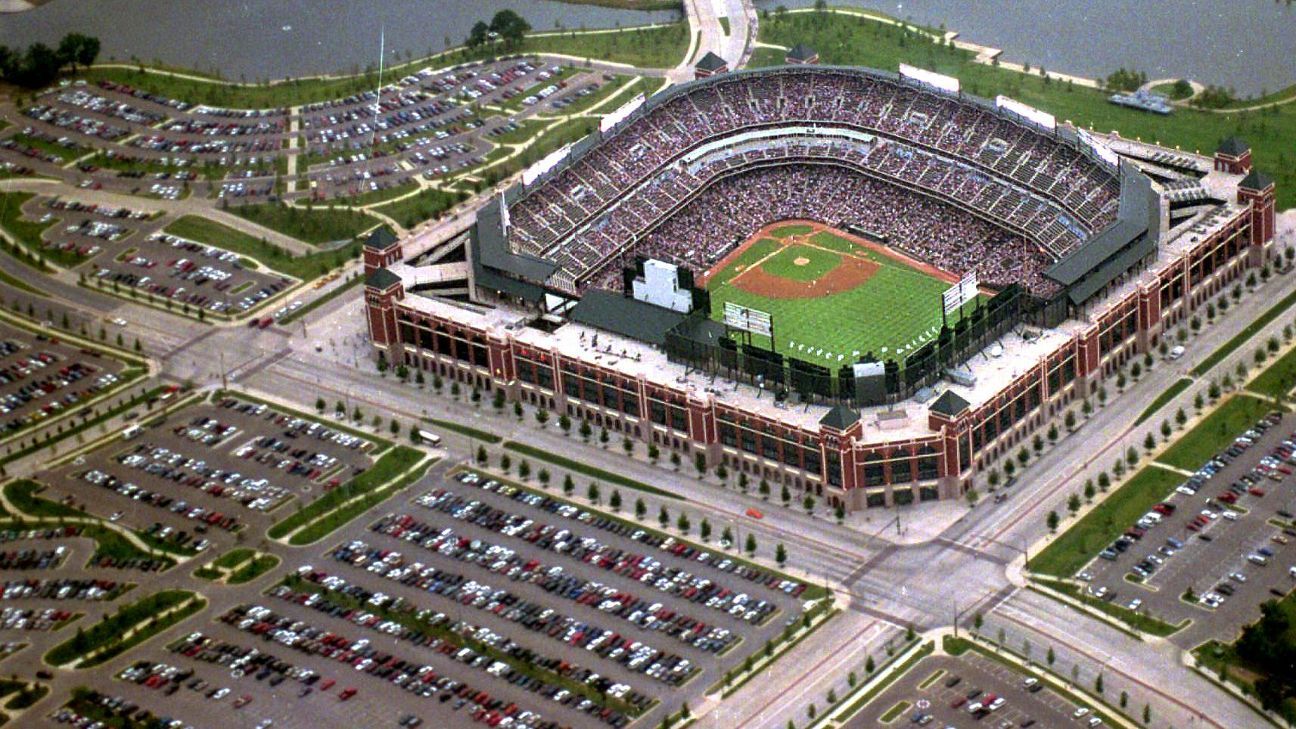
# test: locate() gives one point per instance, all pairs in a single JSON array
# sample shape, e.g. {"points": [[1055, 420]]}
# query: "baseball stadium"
{"points": [[866, 285]]}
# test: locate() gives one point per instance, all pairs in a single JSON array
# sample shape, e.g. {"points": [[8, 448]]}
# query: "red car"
{"points": [[346, 694]]}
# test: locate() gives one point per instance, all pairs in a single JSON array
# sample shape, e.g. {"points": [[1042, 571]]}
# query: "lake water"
{"points": [[1246, 44], [258, 39]]}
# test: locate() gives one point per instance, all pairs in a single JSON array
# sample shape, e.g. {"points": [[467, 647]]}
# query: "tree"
{"points": [[544, 477], [682, 523], [663, 517], [517, 409], [585, 430], [785, 495], [479, 35], [653, 452], [628, 446], [319, 404], [1052, 521], [808, 503], [1147, 714], [497, 400], [977, 621], [640, 509], [592, 493], [524, 469], [780, 554], [614, 501], [1089, 490], [603, 437], [569, 485], [1180, 417], [704, 530], [76, 50], [505, 462], [1050, 656], [700, 464], [1098, 683], [751, 544], [1069, 420], [1073, 503], [510, 27], [1166, 430], [764, 489], [542, 416], [868, 665], [1149, 442], [1023, 456]]}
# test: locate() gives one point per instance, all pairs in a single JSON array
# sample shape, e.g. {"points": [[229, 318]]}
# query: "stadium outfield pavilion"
{"points": [[866, 285]]}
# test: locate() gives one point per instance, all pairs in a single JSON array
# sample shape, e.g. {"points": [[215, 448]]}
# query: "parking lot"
{"points": [[43, 377], [211, 470], [1224, 535], [971, 691]]}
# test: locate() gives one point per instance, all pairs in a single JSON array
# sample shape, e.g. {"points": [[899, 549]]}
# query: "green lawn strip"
{"points": [[526, 129], [1053, 682], [22, 495], [1138, 621], [347, 512], [207, 573], [781, 646], [464, 430], [933, 678], [84, 425], [843, 39], [881, 685], [894, 712], [27, 233], [1215, 432], [304, 267], [24, 694], [65, 153], [310, 224], [659, 47], [1170, 393], [812, 592], [258, 566], [104, 640], [381, 195], [234, 558], [592, 471], [1074, 548], [19, 284], [319, 301], [1277, 379], [425, 205], [391, 464], [1245, 334], [410, 619]]}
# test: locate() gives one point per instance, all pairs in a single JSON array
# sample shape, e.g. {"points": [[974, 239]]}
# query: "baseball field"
{"points": [[831, 296]]}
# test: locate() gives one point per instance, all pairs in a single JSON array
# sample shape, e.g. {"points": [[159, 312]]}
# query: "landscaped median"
{"points": [[303, 267], [237, 566], [1128, 619], [572, 464], [125, 629], [396, 469], [854, 702]]}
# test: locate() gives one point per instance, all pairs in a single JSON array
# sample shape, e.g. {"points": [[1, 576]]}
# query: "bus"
{"points": [[431, 439]]}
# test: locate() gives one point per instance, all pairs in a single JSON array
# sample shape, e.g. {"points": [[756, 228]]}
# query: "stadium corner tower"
{"points": [[866, 286]]}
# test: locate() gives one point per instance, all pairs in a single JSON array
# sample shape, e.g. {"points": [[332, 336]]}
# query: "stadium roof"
{"points": [[628, 317], [489, 279], [712, 62], [1234, 147], [382, 279], [493, 251], [1256, 180], [950, 404], [380, 239], [1139, 208], [1110, 270], [801, 52], [840, 418]]}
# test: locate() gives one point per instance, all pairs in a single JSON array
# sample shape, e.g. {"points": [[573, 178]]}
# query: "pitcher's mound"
{"points": [[801, 261]]}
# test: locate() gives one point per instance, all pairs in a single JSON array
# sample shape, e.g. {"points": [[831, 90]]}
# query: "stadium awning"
{"points": [[628, 317]]}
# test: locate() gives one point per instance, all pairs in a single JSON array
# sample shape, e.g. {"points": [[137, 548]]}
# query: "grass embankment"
{"points": [[464, 430], [658, 47], [851, 40], [424, 205], [29, 248], [305, 267], [1244, 335], [572, 464], [238, 566], [1170, 393], [1213, 434], [109, 637], [335, 508], [313, 225]]}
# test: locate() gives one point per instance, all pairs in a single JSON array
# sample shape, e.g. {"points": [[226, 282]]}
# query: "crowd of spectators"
{"points": [[591, 211]]}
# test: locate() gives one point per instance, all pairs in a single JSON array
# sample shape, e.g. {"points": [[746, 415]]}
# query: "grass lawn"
{"points": [[26, 232], [392, 464], [1137, 620], [312, 225], [1277, 379], [661, 47], [1215, 432], [844, 39], [581, 467], [234, 558], [304, 267], [105, 639], [426, 205], [1245, 334], [894, 712], [1170, 393], [258, 566], [474, 433], [1066, 554], [890, 314]]}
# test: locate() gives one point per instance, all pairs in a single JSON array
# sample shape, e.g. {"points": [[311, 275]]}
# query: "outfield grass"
{"points": [[1213, 434], [304, 267], [1170, 393], [312, 225], [895, 311], [849, 40], [1066, 554]]}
